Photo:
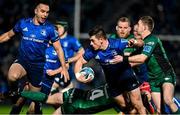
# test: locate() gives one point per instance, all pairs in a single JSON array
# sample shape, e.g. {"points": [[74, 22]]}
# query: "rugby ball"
{"points": [[88, 72]]}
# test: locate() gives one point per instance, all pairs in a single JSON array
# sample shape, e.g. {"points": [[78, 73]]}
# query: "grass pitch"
{"points": [[5, 109]]}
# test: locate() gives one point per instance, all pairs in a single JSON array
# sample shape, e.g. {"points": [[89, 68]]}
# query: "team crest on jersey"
{"points": [[97, 57], [25, 29], [114, 53], [43, 32], [147, 49], [65, 44], [54, 53]]}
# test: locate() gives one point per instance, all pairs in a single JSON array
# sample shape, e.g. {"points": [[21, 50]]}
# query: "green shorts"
{"points": [[156, 84], [92, 101]]}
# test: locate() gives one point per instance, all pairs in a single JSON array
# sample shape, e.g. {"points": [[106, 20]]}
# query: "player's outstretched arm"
{"points": [[60, 53], [6, 36]]}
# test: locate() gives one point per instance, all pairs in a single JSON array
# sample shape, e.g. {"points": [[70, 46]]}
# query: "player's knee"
{"points": [[168, 100], [58, 98], [13, 77]]}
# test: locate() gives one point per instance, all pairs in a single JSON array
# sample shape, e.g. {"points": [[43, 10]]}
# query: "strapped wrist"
{"points": [[77, 75], [125, 59]]}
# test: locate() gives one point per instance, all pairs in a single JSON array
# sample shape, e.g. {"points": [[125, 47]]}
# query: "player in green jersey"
{"points": [[160, 72]]}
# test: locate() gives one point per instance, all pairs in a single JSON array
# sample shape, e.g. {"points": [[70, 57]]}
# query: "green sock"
{"points": [[177, 112], [34, 96]]}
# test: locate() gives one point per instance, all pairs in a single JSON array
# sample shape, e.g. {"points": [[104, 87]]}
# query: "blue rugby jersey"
{"points": [[34, 40], [69, 44], [104, 57]]}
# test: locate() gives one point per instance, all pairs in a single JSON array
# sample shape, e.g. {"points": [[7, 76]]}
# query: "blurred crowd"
{"points": [[104, 12]]}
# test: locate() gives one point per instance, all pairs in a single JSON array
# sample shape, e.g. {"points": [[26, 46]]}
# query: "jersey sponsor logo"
{"points": [[147, 49], [50, 60], [124, 40], [43, 32], [150, 43], [25, 29], [96, 94]]}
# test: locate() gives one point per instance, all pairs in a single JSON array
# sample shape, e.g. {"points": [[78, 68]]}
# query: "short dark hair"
{"points": [[46, 2], [98, 31], [124, 19], [148, 20]]}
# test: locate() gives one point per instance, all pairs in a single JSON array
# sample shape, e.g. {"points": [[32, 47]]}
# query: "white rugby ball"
{"points": [[88, 72]]}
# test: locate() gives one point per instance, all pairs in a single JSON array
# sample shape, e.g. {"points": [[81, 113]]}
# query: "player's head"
{"points": [[61, 26], [145, 24], [135, 32], [123, 27], [41, 11], [97, 37]]}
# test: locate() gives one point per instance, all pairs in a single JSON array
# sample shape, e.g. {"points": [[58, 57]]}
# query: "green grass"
{"points": [[5, 109]]}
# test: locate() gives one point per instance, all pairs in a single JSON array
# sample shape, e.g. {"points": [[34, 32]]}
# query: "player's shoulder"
{"points": [[70, 36], [151, 38], [25, 20]]}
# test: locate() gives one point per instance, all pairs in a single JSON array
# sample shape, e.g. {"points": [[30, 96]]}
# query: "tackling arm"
{"points": [[77, 56], [137, 59]]}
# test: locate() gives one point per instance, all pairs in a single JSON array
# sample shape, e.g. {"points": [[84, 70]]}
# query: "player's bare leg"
{"points": [[16, 72], [168, 94], [136, 100], [57, 112], [156, 97]]}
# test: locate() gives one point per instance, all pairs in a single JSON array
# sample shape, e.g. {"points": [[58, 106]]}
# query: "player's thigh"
{"points": [[33, 88], [16, 71], [120, 100]]}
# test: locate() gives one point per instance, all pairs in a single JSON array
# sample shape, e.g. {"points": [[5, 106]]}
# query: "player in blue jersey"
{"points": [[52, 69], [119, 76], [36, 33]]}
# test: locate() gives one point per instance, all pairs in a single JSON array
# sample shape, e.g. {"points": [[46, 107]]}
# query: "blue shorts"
{"points": [[121, 81], [34, 72], [49, 80], [46, 84]]}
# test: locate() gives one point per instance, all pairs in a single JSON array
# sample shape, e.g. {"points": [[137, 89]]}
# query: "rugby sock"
{"points": [[38, 109], [15, 110], [34, 96]]}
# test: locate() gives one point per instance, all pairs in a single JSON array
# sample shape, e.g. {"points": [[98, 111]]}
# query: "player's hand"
{"points": [[65, 73], [132, 42], [137, 43], [116, 59], [50, 72], [81, 78]]}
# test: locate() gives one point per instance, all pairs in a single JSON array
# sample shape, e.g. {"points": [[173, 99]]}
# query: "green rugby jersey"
{"points": [[157, 62]]}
